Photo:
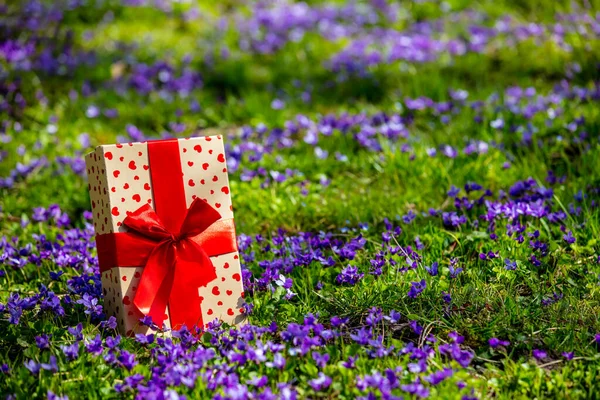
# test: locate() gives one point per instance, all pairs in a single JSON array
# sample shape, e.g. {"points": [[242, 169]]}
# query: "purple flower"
{"points": [[495, 342], [374, 317], [42, 341], [454, 191], [113, 342], [539, 354], [337, 322], [446, 297], [455, 337], [258, 381], [320, 359], [454, 271], [127, 360], [144, 339], [51, 365], [76, 331], [94, 346], [32, 366], [438, 376], [349, 276], [71, 351], [463, 357], [92, 111], [350, 363], [278, 361], [568, 355], [277, 104], [393, 317], [417, 329], [416, 288], [433, 270], [510, 265], [568, 237], [362, 336], [497, 123], [416, 389], [92, 308], [320, 383], [110, 323]]}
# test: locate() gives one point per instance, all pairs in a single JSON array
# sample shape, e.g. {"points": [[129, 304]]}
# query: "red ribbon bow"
{"points": [[176, 263]]}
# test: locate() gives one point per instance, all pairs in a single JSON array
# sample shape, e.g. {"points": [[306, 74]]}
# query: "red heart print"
{"points": [[132, 165], [221, 158], [216, 291]]}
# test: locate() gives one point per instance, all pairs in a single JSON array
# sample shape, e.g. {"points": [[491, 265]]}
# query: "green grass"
{"points": [[488, 301]]}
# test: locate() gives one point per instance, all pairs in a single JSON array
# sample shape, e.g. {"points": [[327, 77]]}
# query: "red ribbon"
{"points": [[174, 244]]}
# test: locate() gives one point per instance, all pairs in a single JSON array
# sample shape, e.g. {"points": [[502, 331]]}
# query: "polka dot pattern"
{"points": [[120, 182], [223, 298], [205, 172]]}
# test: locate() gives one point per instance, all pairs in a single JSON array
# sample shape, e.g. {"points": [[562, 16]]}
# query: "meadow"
{"points": [[416, 188]]}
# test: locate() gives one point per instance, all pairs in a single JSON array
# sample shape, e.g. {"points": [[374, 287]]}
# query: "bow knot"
{"points": [[176, 260]]}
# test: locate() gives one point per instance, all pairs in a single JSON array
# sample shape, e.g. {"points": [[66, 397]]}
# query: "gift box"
{"points": [[165, 233]]}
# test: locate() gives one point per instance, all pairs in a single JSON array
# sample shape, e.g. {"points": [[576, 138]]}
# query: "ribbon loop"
{"points": [[146, 222]]}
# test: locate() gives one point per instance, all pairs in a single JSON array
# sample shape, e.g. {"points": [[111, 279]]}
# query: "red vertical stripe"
{"points": [[167, 182]]}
